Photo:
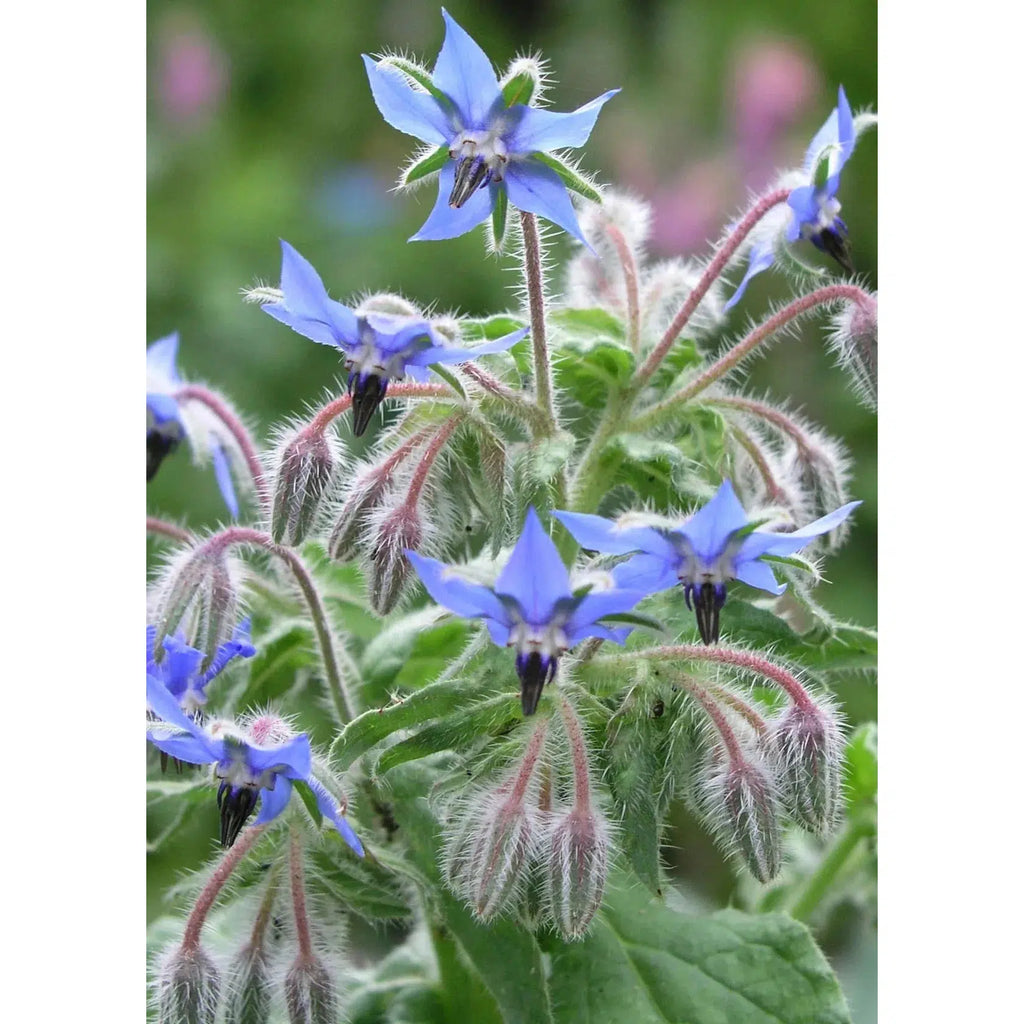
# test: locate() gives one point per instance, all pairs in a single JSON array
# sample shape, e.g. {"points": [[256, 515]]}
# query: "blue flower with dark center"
{"points": [[259, 765], [179, 668], [491, 148], [813, 207], [378, 347], [713, 547], [167, 423], [531, 606]]}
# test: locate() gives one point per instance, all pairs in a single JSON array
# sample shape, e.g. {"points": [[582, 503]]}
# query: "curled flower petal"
{"points": [[294, 758], [649, 573], [761, 258], [470, 600], [595, 533], [222, 471], [161, 358], [329, 809], [764, 542], [443, 354], [274, 801]]}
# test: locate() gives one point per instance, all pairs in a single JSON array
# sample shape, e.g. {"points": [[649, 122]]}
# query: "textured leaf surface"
{"points": [[647, 964]]}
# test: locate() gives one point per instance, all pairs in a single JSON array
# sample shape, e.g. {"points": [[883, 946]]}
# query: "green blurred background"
{"points": [[261, 126]]}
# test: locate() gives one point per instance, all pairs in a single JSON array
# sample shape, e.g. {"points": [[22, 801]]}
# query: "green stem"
{"points": [[533, 268], [819, 883], [591, 481], [343, 699]]}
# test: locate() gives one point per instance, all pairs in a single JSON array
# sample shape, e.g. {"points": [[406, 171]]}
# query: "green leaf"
{"points": [[499, 218], [862, 765], [362, 886], [491, 328], [635, 619], [273, 668], [429, 164], [374, 725], [548, 456], [570, 178], [392, 647], [492, 717], [646, 964], [449, 378], [592, 323]]}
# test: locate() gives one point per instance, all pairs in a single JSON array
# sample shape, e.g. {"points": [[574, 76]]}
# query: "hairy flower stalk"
{"points": [[533, 268], [738, 795], [309, 990], [248, 985], [402, 530], [367, 491], [775, 323], [490, 866], [166, 529], [576, 868], [714, 269], [235, 427], [214, 548], [775, 493]]}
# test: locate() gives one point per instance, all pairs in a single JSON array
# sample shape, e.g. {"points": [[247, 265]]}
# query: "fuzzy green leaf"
{"points": [[499, 218], [646, 964]]}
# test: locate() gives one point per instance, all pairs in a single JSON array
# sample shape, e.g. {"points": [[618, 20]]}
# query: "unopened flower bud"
{"points": [[188, 986], [309, 992], [854, 339], [367, 492], [303, 475], [388, 303], [490, 859], [741, 805], [577, 867], [247, 997], [390, 570], [200, 587], [807, 744]]}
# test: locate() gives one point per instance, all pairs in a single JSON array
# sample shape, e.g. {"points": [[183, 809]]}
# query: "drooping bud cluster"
{"points": [[309, 992], [576, 869], [198, 595], [400, 528], [248, 988]]}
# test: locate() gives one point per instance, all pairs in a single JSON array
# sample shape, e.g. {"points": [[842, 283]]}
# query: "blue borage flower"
{"points": [[712, 548], [530, 607], [813, 207], [259, 765], [179, 668], [491, 149], [378, 347], [166, 423]]}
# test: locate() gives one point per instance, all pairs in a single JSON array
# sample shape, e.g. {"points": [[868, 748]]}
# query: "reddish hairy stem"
{"points": [[740, 706], [244, 535], [632, 288], [773, 416], [580, 761], [739, 659], [714, 269], [166, 529], [299, 900], [439, 440], [335, 408], [234, 425], [529, 762], [714, 712], [230, 860], [786, 315], [750, 446]]}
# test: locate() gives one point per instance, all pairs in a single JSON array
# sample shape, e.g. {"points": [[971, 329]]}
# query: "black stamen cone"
{"points": [[469, 176], [158, 447], [236, 803], [708, 599], [837, 247], [367, 393], [534, 672]]}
